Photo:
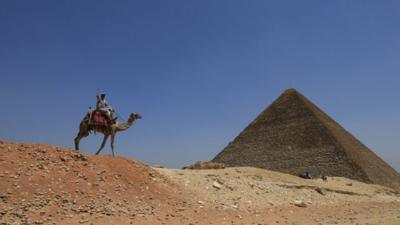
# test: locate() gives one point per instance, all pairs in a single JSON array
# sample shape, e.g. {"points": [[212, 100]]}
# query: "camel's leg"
{"points": [[83, 132], [78, 139], [112, 143], [102, 144]]}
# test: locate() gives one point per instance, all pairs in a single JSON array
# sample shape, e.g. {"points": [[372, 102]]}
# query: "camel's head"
{"points": [[135, 116]]}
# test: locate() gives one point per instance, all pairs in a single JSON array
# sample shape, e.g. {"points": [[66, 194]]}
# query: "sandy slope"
{"points": [[42, 184], [252, 188], [269, 197]]}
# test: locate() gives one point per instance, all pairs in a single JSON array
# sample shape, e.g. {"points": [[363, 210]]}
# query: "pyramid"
{"points": [[294, 136]]}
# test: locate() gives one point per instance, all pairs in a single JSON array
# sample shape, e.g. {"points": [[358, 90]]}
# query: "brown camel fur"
{"points": [[85, 129]]}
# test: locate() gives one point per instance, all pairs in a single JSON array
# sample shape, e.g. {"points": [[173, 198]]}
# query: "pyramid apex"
{"points": [[290, 91]]}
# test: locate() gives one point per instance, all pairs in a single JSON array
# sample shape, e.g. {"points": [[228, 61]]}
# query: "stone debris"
{"points": [[63, 158], [320, 190], [217, 185], [202, 165], [299, 203]]}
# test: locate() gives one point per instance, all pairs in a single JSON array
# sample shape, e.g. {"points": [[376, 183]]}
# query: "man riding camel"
{"points": [[102, 107]]}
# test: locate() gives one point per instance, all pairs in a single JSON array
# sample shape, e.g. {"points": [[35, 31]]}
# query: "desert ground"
{"points": [[43, 184]]}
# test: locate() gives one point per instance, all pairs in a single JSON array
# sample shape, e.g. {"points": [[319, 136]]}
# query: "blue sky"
{"points": [[198, 71]]}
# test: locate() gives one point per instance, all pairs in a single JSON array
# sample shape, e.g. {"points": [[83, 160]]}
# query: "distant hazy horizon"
{"points": [[197, 71]]}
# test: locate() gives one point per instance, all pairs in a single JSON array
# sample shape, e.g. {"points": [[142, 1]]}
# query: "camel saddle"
{"points": [[99, 119]]}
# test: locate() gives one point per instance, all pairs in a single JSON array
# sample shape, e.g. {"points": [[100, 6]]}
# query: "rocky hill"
{"points": [[43, 184]]}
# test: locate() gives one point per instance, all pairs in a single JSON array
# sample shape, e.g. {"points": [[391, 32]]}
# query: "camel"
{"points": [[85, 129]]}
